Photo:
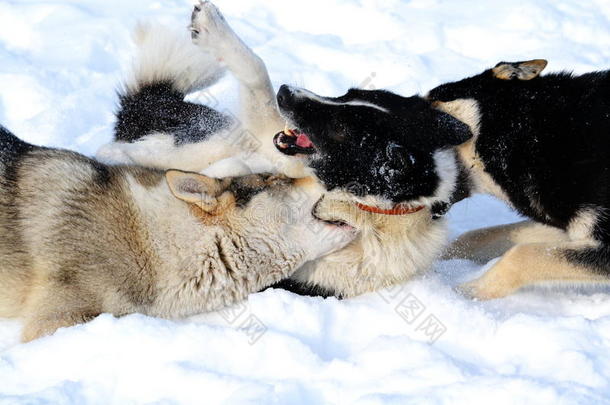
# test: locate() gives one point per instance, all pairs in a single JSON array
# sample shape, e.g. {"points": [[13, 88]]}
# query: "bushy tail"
{"points": [[166, 56], [167, 67]]}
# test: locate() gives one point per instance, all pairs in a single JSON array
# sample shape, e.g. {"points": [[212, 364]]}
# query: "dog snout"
{"points": [[285, 96]]}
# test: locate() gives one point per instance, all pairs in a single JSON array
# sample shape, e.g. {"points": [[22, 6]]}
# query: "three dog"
{"points": [[176, 243]]}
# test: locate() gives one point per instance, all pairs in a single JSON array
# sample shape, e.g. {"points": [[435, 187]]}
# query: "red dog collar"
{"points": [[398, 209]]}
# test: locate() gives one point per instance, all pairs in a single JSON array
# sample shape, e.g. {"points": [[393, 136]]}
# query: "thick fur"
{"points": [[390, 250], [156, 127], [164, 71], [544, 142], [378, 145], [379, 149], [181, 138], [538, 142], [541, 143], [79, 238]]}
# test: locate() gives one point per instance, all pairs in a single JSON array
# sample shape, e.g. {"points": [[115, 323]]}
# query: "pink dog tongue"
{"points": [[303, 141]]}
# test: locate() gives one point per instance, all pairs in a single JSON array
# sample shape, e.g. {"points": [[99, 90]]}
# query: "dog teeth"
{"points": [[288, 131]]}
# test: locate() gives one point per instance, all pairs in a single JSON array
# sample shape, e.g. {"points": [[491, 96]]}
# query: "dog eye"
{"points": [[338, 136], [396, 152]]}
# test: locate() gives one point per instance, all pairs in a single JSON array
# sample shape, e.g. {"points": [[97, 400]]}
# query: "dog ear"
{"points": [[449, 131], [519, 70], [195, 189]]}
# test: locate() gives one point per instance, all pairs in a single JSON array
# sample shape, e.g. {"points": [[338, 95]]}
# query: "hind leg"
{"points": [[533, 263], [483, 245]]}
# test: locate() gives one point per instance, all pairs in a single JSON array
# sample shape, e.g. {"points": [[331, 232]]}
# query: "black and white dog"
{"points": [[156, 127], [542, 144]]}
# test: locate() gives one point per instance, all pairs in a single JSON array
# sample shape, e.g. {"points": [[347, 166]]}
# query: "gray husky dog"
{"points": [[79, 238]]}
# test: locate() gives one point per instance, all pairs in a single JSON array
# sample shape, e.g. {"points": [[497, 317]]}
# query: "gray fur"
{"points": [[79, 238]]}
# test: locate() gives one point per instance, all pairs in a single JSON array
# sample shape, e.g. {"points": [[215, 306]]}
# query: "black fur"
{"points": [[244, 193], [11, 151], [304, 289], [247, 187], [11, 147], [546, 143], [371, 152], [158, 107]]}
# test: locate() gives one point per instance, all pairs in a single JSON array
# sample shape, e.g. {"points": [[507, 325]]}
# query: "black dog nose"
{"points": [[284, 96]]}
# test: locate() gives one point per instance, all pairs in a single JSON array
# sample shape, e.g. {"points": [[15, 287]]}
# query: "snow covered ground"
{"points": [[60, 61]]}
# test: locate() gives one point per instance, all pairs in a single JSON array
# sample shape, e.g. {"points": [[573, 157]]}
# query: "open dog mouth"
{"points": [[293, 142]]}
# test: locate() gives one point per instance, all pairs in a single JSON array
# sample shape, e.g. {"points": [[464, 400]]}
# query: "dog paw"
{"points": [[480, 290], [208, 26]]}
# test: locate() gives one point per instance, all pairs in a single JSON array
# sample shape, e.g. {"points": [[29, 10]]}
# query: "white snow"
{"points": [[60, 61]]}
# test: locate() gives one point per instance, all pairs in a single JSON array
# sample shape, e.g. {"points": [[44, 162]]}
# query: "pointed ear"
{"points": [[194, 188], [449, 131], [519, 70]]}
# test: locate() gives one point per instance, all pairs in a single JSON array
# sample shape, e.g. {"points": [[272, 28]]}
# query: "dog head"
{"points": [[376, 145], [263, 206]]}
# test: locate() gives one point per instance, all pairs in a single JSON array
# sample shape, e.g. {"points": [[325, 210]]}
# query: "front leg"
{"points": [[533, 263], [211, 31], [483, 245], [259, 116]]}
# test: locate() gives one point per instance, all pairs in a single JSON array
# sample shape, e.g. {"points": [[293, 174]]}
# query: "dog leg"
{"points": [[259, 115], [532, 263], [38, 327], [51, 308], [257, 97], [483, 245]]}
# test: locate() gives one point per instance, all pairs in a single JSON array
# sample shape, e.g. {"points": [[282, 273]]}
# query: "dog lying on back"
{"points": [[79, 238], [540, 143], [156, 127]]}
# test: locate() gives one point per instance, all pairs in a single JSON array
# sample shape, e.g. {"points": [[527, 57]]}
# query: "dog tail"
{"points": [[167, 67], [165, 56]]}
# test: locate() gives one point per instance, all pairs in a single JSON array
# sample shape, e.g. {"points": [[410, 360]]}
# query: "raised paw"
{"points": [[208, 26]]}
